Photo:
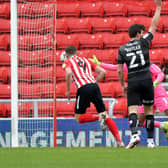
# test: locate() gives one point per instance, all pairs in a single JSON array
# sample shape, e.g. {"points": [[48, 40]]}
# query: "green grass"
{"points": [[139, 157]]}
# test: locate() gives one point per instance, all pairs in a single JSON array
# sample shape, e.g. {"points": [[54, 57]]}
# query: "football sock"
{"points": [[113, 129], [150, 125], [133, 123], [88, 118], [156, 124]]}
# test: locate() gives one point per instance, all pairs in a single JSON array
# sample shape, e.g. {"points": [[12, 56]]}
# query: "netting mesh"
{"points": [[36, 50]]}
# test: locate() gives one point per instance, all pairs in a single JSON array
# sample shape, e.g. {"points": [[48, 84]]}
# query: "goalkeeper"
{"points": [[160, 94]]}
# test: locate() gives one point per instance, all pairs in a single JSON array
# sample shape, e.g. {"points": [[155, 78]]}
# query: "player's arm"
{"points": [[68, 77], [156, 17], [121, 78], [106, 66], [155, 70], [121, 74], [101, 73]]}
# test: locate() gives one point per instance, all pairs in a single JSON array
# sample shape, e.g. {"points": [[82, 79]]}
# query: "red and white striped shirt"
{"points": [[81, 70]]}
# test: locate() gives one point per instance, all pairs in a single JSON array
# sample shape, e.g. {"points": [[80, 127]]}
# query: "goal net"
{"points": [[36, 72]]}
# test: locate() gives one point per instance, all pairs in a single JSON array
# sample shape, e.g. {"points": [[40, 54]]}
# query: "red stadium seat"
{"points": [[120, 108], [5, 74], [31, 57], [111, 75], [114, 9], [90, 40], [5, 10], [41, 74], [35, 41], [24, 9], [106, 55], [91, 9], [122, 23], [114, 40], [72, 9], [4, 25], [77, 25], [61, 89], [35, 9], [5, 58], [42, 9], [46, 90], [45, 109], [4, 41], [165, 55], [160, 40], [163, 20], [92, 109], [107, 89], [60, 74], [118, 92], [65, 109], [48, 57], [24, 42], [156, 56], [36, 25], [5, 90], [61, 25], [26, 109], [86, 53], [27, 91], [138, 8], [102, 24], [24, 74], [3, 110], [42, 41], [164, 10], [65, 40]]}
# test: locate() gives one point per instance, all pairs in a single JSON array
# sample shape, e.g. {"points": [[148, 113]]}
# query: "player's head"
{"points": [[136, 30], [69, 51]]}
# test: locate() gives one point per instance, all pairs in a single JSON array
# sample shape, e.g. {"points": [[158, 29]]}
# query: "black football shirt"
{"points": [[136, 55]]}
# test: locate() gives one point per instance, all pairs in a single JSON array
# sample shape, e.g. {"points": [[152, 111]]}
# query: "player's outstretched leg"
{"points": [[106, 120], [83, 118]]}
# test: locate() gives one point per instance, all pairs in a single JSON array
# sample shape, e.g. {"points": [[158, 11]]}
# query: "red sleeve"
{"points": [[66, 64]]}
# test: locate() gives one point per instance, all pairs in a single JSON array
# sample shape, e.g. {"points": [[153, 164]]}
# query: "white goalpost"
{"points": [[14, 74]]}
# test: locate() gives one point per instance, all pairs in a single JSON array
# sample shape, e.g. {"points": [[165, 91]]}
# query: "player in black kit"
{"points": [[140, 89]]}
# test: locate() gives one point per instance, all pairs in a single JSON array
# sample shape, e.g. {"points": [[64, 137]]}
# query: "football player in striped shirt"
{"points": [[79, 70]]}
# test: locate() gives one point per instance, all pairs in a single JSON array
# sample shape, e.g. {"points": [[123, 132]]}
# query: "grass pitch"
{"points": [[139, 157]]}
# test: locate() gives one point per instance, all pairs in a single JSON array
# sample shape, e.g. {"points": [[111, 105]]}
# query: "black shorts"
{"points": [[87, 94], [140, 92]]}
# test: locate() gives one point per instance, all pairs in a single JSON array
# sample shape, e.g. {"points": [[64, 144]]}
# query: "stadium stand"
{"points": [[95, 28]]}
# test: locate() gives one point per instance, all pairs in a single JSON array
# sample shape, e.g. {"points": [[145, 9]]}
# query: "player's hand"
{"points": [[67, 94], [158, 3], [95, 60], [155, 83]]}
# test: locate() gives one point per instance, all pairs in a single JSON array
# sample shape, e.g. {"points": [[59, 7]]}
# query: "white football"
{"points": [[63, 56]]}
